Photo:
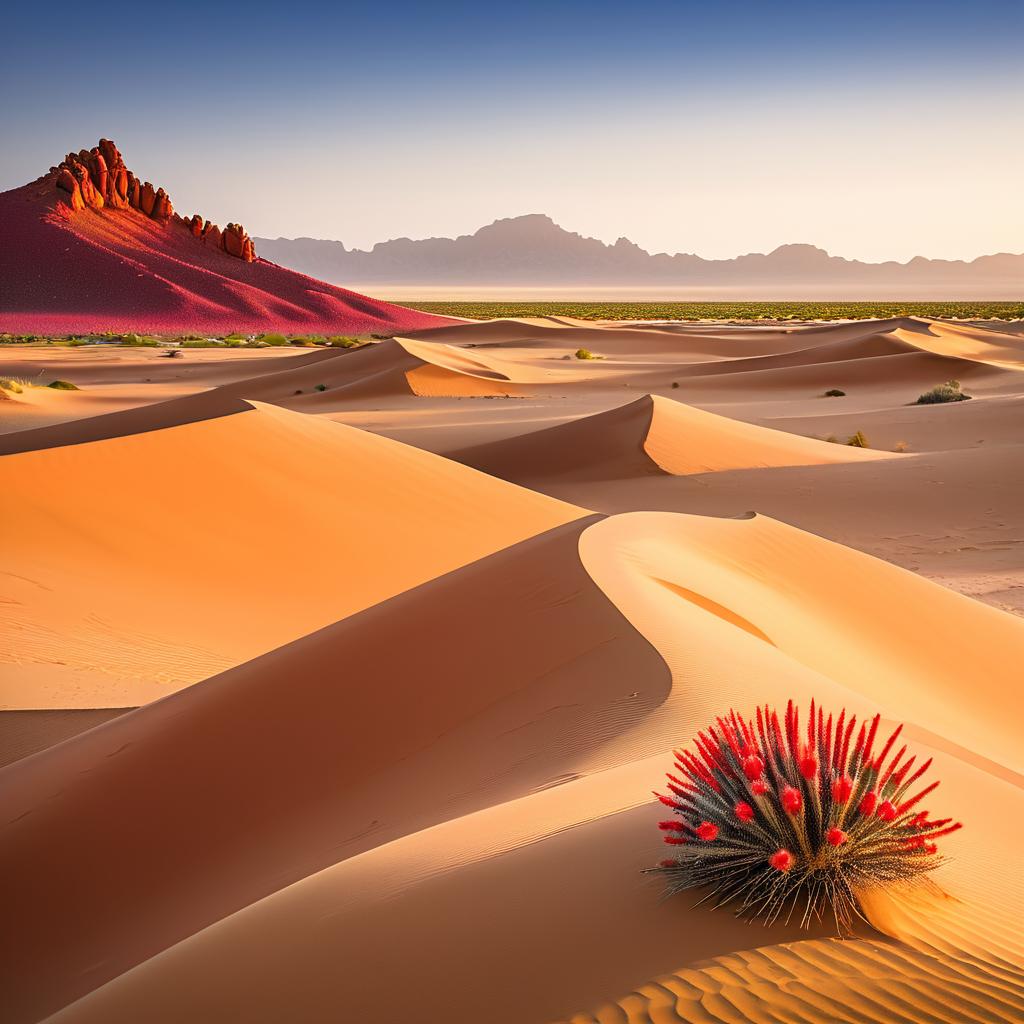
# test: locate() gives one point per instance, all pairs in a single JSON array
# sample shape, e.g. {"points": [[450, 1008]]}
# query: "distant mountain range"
{"points": [[533, 251]]}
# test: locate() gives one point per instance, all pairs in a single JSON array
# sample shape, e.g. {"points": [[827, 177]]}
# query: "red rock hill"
{"points": [[91, 247]]}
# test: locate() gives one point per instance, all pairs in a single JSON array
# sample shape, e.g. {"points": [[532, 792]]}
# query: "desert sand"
{"points": [[347, 675]]}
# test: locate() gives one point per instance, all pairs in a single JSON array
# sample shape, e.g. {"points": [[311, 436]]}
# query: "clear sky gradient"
{"points": [[875, 130]]}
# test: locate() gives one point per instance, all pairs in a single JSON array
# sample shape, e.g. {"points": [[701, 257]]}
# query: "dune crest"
{"points": [[647, 436], [342, 505]]}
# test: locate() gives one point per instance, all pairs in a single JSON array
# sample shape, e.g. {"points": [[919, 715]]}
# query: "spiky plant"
{"points": [[772, 818]]}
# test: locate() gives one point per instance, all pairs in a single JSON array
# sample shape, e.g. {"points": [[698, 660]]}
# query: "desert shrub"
{"points": [[302, 342], [767, 815], [584, 353], [9, 384], [832, 439], [901, 446], [948, 392], [858, 440], [321, 387], [675, 383], [340, 341], [835, 393], [63, 385], [273, 339], [172, 353]]}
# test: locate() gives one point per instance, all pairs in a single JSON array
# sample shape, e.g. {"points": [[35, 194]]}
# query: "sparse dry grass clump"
{"points": [[948, 392], [901, 446], [858, 440], [585, 353], [63, 385]]}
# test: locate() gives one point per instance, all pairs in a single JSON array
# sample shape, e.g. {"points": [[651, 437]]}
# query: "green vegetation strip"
{"points": [[727, 310]]}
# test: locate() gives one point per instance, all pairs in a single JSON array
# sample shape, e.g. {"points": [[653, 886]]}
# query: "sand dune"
{"points": [[526, 868], [191, 506], [409, 690], [650, 435], [413, 772]]}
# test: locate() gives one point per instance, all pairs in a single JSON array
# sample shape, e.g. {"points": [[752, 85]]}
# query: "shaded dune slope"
{"points": [[525, 872], [649, 436], [354, 519], [300, 758]]}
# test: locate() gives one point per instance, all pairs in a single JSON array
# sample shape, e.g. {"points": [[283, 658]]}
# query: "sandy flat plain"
{"points": [[335, 683]]}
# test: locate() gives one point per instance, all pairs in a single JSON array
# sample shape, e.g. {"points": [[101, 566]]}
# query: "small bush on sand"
{"points": [[340, 341], [948, 392], [172, 353], [273, 339], [585, 353], [779, 819], [63, 385], [9, 384], [835, 393], [770, 816], [321, 387], [858, 440], [901, 446], [831, 439], [675, 383]]}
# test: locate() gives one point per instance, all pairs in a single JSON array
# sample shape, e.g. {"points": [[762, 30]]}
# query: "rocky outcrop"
{"points": [[98, 178]]}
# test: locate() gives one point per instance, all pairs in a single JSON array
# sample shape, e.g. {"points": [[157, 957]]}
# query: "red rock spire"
{"points": [[98, 178]]}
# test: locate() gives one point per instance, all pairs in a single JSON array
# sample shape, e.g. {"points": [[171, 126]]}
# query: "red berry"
{"points": [[886, 811], [707, 831], [781, 860], [759, 787], [791, 800], [867, 804], [809, 766], [835, 836], [842, 789], [753, 767], [744, 811]]}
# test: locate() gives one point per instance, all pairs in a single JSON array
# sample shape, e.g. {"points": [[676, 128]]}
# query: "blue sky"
{"points": [[875, 130]]}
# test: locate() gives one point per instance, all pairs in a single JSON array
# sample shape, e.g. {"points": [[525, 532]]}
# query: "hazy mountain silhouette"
{"points": [[534, 251]]}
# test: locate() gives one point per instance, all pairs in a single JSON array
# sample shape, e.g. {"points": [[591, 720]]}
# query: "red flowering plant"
{"points": [[769, 816]]}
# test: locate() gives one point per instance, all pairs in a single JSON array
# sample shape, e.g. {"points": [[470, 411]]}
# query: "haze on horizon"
{"points": [[875, 131]]}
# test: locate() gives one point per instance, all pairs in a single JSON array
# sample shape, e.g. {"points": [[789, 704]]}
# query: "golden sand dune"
{"points": [[738, 610], [116, 537], [651, 435], [516, 663], [420, 787]]}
